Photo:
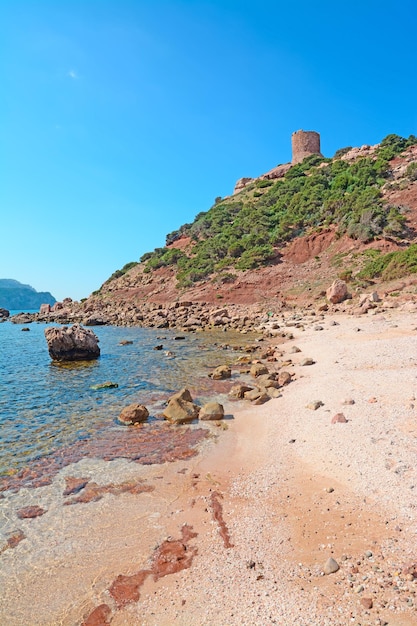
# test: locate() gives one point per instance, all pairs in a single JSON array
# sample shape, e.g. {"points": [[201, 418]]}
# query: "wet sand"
{"points": [[246, 525]]}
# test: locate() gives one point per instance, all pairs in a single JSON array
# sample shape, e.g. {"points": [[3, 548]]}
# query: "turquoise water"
{"points": [[46, 406]]}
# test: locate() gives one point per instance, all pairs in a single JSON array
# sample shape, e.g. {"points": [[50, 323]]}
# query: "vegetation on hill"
{"points": [[391, 265], [245, 231]]}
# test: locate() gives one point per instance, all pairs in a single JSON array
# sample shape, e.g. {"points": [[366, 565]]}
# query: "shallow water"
{"points": [[47, 407]]}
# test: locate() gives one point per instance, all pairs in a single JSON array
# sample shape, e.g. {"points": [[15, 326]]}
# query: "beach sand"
{"points": [[269, 500]]}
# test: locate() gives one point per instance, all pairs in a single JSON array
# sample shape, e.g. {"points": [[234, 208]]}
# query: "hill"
{"points": [[16, 295], [279, 240]]}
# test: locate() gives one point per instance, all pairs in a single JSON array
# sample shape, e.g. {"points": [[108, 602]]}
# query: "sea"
{"points": [[50, 413]]}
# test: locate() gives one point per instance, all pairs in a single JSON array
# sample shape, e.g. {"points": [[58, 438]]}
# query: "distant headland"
{"points": [[15, 295]]}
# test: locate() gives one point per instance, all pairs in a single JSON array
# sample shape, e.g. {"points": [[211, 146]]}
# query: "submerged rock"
{"points": [[72, 344], [107, 385]]}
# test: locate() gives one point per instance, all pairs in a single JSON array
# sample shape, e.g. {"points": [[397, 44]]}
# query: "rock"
{"points": [[307, 361], [257, 369], [241, 184], [74, 485], [211, 411], [257, 396], [95, 320], [25, 329], [159, 347], [4, 313], [181, 408], [367, 603], [183, 394], [294, 349], [284, 378], [331, 566], [339, 418], [28, 512], [125, 342], [314, 405], [273, 392], [337, 292], [107, 385], [220, 373], [238, 391], [45, 309], [348, 401], [72, 344], [133, 414]]}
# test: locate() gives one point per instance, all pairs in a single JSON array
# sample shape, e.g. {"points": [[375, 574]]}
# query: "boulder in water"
{"points": [[73, 343]]}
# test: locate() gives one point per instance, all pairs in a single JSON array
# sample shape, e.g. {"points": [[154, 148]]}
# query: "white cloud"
{"points": [[73, 74]]}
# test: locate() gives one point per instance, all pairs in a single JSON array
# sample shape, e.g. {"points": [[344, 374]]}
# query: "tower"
{"points": [[304, 144]]}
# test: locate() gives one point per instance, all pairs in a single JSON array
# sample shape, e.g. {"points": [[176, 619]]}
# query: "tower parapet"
{"points": [[304, 144]]}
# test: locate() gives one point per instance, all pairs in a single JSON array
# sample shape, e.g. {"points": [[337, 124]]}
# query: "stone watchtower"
{"points": [[304, 144]]}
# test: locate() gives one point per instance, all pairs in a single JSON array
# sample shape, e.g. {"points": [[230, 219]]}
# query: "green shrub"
{"points": [[411, 171], [339, 153], [392, 265]]}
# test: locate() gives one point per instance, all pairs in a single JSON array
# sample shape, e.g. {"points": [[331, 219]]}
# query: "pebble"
{"points": [[315, 405], [331, 566], [307, 361]]}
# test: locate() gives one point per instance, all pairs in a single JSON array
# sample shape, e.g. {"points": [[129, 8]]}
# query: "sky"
{"points": [[120, 120]]}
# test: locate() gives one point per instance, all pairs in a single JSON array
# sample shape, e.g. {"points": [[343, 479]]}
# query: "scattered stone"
{"points": [[211, 411], [26, 329], [294, 350], [331, 566], [72, 344], [368, 554], [257, 396], [315, 405], [318, 328], [329, 489], [307, 361], [359, 589], [284, 378], [159, 347], [348, 401], [133, 414], [367, 603], [238, 391], [181, 409], [125, 342], [258, 369], [337, 292], [28, 512], [273, 392], [339, 418], [107, 385], [221, 373]]}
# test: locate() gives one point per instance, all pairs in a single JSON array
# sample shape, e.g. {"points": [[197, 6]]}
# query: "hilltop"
{"points": [[16, 295], [279, 241]]}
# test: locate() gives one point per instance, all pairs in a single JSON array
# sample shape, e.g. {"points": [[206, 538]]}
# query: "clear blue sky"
{"points": [[121, 120]]}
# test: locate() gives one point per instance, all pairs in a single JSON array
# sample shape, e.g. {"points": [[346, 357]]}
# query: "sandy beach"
{"points": [[257, 513]]}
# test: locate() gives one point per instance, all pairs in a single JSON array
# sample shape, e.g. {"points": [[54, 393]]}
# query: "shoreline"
{"points": [[294, 489]]}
